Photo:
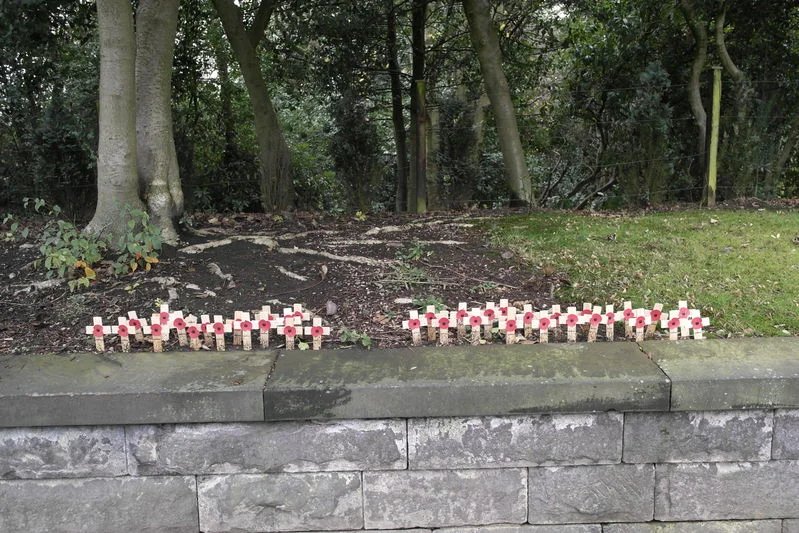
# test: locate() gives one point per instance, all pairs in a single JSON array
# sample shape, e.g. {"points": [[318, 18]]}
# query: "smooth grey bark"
{"points": [[397, 110], [276, 187], [699, 33], [486, 45], [156, 26], [117, 180], [417, 185]]}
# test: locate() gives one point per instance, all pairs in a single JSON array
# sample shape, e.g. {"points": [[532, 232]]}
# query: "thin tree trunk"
{"points": [[699, 33], [791, 143], [117, 180], [417, 193], [156, 26], [397, 111], [226, 108], [486, 44], [277, 189]]}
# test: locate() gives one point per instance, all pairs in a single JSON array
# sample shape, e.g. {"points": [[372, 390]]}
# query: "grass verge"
{"points": [[741, 268]]}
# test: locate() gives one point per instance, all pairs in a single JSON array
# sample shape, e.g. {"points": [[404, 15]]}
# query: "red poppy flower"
{"points": [[640, 322], [489, 313], [123, 330], [443, 323], [164, 316], [510, 325], [316, 331], [674, 323], [684, 312], [179, 323], [543, 324], [462, 313], [475, 321], [503, 311], [414, 323], [628, 313], [245, 325], [290, 331], [264, 325], [97, 330], [611, 318], [193, 332], [572, 320], [696, 323], [596, 319], [156, 330], [219, 328], [430, 316], [528, 317], [134, 323], [297, 314], [587, 312], [655, 314]]}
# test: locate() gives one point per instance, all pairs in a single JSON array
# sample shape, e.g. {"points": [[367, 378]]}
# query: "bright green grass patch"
{"points": [[741, 268]]}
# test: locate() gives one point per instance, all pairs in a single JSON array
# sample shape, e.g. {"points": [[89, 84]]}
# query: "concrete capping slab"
{"points": [[464, 381], [140, 388], [715, 374]]}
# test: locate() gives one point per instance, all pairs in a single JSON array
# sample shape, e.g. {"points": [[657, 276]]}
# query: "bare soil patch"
{"points": [[358, 275]]}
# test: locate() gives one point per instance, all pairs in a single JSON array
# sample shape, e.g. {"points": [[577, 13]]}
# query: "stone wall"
{"points": [[187, 462]]}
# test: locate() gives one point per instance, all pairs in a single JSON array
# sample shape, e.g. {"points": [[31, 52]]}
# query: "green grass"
{"points": [[741, 268]]}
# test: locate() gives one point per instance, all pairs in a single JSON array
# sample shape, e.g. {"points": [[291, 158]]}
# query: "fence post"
{"points": [[714, 138]]}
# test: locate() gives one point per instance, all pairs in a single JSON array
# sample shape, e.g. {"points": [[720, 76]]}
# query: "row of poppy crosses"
{"points": [[211, 331], [639, 323]]}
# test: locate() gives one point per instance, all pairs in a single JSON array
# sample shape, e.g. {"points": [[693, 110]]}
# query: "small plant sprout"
{"points": [[655, 315], [316, 331], [98, 331], [414, 323], [609, 320], [594, 321]]}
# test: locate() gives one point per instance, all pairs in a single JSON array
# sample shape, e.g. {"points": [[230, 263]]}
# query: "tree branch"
{"points": [[255, 33]]}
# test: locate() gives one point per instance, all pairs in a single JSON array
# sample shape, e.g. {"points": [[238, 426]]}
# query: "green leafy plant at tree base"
{"points": [[139, 245]]}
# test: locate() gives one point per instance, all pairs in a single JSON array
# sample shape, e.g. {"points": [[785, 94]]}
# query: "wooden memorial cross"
{"points": [[165, 319], [476, 320], [572, 320], [432, 322], [206, 326], [179, 324], [443, 320], [414, 323], [698, 323], [672, 324], [298, 314], [266, 321], [193, 330], [123, 330], [288, 330], [136, 325], [594, 321], [156, 332], [640, 321], [220, 327], [461, 317], [490, 314], [685, 315], [545, 323], [555, 320], [610, 321], [315, 331], [509, 325], [528, 317], [654, 315], [244, 327], [628, 314]]}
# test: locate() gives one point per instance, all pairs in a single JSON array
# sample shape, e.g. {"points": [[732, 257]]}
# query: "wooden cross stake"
{"points": [[316, 331], [265, 322], [628, 314], [654, 315], [156, 331], [414, 323], [527, 319], [509, 325], [672, 324], [572, 320], [220, 327], [490, 314], [443, 323], [178, 322], [698, 323], [476, 320], [544, 325], [595, 319], [289, 331], [431, 317], [245, 330], [165, 319], [610, 322], [123, 330], [640, 321], [135, 325], [461, 318], [555, 320]]}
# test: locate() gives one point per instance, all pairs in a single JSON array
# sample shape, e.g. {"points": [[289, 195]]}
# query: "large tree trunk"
{"points": [[397, 110], [486, 44], [117, 181], [277, 189], [699, 33], [156, 25]]}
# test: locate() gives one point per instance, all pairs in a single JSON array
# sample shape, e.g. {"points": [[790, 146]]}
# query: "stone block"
{"points": [[280, 502], [55, 452], [790, 526], [738, 526], [464, 381], [492, 442], [727, 491], [697, 436], [581, 528], [444, 498], [99, 505], [722, 374], [591, 494], [786, 434], [267, 447]]}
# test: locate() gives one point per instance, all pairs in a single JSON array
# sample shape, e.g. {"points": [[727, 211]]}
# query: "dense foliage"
{"points": [[600, 91]]}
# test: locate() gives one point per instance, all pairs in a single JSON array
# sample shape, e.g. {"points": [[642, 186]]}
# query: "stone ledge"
{"points": [[88, 389], [139, 388], [464, 381]]}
